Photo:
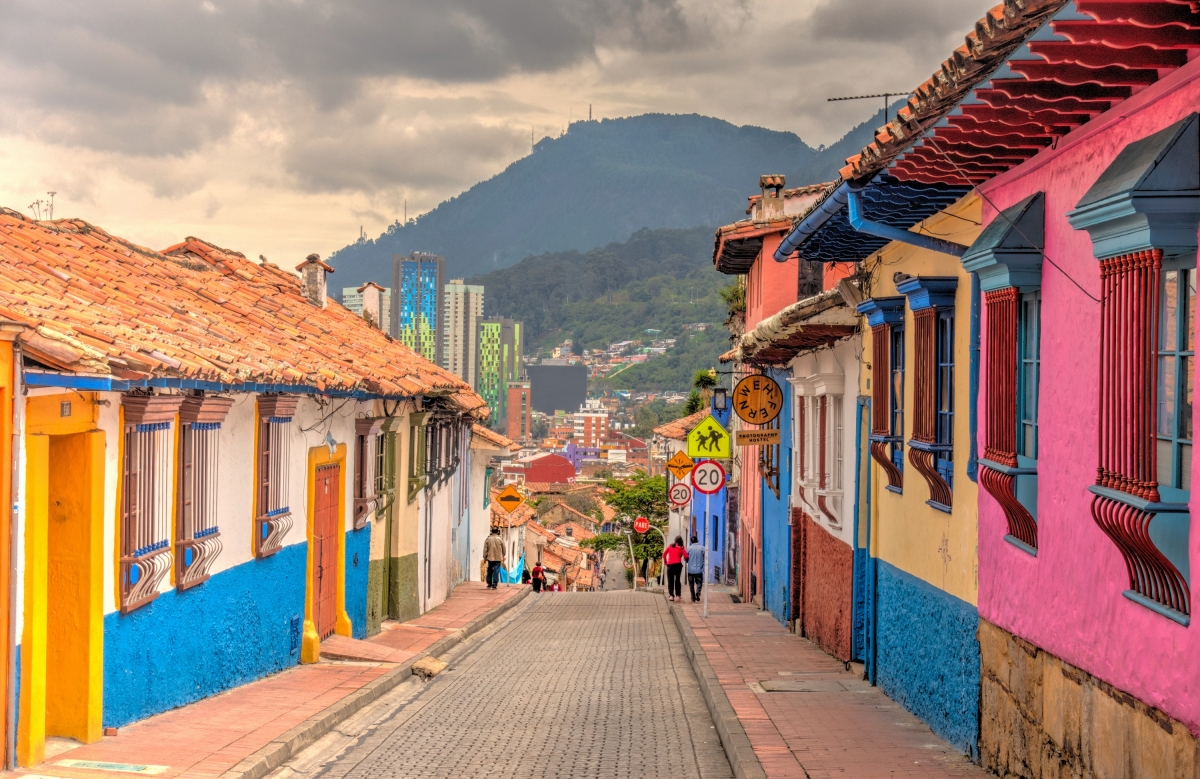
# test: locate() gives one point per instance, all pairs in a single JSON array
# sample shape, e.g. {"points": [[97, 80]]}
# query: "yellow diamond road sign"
{"points": [[680, 465], [509, 499], [709, 440]]}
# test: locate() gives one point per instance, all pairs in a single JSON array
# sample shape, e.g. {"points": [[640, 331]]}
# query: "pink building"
{"points": [[1088, 270]]}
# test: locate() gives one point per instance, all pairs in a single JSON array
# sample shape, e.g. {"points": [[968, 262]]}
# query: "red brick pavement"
{"points": [[854, 733], [204, 739]]}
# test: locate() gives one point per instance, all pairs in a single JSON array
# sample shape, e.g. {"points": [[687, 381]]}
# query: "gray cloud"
{"points": [[140, 75]]}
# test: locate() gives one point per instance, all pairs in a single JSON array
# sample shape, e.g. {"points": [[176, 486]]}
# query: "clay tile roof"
{"points": [[996, 35], [578, 531], [584, 578], [494, 438], [98, 304], [521, 515], [679, 429], [541, 530]]}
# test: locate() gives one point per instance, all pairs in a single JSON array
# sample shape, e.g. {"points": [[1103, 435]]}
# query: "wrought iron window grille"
{"points": [[273, 517], [367, 469], [197, 533], [146, 511]]}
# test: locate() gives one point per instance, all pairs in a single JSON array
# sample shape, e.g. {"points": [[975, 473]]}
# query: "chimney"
{"points": [[312, 279], [771, 205], [372, 303]]}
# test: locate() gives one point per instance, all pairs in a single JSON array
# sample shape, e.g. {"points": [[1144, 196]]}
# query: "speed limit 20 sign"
{"points": [[680, 494], [708, 477]]}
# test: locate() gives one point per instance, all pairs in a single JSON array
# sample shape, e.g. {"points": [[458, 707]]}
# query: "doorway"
{"points": [[325, 549], [63, 635]]}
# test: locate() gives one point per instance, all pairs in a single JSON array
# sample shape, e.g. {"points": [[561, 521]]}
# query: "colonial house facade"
{"points": [[211, 464]]}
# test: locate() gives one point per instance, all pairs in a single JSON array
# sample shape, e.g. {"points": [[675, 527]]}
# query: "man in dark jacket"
{"points": [[493, 552]]}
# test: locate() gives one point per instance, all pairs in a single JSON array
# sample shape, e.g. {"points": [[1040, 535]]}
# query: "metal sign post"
{"points": [[632, 559], [704, 573]]}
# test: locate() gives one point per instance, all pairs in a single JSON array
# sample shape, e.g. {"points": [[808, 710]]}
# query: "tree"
{"points": [[694, 403], [643, 496], [704, 381]]}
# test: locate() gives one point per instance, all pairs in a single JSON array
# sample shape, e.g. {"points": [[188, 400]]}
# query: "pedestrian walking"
{"points": [[539, 578], [674, 557], [696, 557], [493, 553]]}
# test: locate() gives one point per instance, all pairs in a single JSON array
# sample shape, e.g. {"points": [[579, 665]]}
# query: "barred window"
{"points": [[368, 467], [198, 537], [273, 514], [146, 514]]}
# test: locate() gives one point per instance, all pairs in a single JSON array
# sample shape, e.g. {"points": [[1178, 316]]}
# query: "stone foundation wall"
{"points": [[1042, 718]]}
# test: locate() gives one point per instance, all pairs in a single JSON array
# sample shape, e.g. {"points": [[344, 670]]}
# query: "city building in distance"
{"points": [[419, 282], [463, 310], [557, 386], [519, 421], [499, 347], [371, 297]]}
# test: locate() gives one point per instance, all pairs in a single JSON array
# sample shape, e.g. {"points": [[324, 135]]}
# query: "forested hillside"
{"points": [[601, 182]]}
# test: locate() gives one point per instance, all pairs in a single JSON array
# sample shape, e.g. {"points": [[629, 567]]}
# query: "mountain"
{"points": [[659, 280], [598, 183]]}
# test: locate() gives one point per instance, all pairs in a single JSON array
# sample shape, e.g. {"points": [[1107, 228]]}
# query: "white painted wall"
{"points": [[844, 359]]}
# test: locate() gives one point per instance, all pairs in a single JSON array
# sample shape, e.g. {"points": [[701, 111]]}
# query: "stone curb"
{"points": [[733, 736], [289, 744]]}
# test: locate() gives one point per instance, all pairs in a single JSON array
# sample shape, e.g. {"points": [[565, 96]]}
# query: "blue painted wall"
{"points": [[238, 626], [358, 564], [776, 533], [928, 655]]}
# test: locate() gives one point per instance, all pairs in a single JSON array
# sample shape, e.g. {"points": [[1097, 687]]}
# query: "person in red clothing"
{"points": [[539, 577], [673, 556]]}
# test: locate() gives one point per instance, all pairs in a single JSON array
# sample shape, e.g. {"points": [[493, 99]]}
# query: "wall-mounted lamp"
{"points": [[720, 399]]}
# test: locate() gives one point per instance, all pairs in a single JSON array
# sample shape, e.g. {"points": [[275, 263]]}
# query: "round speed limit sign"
{"points": [[680, 494], [708, 477]]}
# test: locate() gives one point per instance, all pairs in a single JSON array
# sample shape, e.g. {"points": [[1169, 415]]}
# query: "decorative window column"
{"points": [[146, 488], [368, 469], [1008, 258], [931, 448], [416, 454], [197, 535], [885, 316], [819, 427], [273, 515], [1142, 215]]}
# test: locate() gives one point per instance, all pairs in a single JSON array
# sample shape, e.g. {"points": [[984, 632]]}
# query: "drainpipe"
{"points": [[14, 494], [880, 230], [812, 222], [972, 460]]}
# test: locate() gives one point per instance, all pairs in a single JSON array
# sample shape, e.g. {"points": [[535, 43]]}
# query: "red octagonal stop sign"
{"points": [[641, 525]]}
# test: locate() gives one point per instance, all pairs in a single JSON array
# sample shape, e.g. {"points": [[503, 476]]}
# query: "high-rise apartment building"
{"points": [[498, 347], [372, 298], [464, 309], [418, 285], [519, 420]]}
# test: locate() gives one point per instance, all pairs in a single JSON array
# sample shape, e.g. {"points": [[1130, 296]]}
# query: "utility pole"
{"points": [[589, 112]]}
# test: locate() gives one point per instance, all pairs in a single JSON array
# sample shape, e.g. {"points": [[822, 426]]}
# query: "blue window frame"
{"points": [[897, 390], [1176, 352], [945, 395], [1029, 372]]}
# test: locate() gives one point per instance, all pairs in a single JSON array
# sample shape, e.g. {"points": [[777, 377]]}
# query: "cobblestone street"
{"points": [[574, 684]]}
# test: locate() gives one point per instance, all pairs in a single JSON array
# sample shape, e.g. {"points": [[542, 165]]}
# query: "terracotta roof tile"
{"points": [[103, 305], [494, 438], [678, 429]]}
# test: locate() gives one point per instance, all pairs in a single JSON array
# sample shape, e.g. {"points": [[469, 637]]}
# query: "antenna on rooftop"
{"points": [[51, 194], [589, 112], [884, 95]]}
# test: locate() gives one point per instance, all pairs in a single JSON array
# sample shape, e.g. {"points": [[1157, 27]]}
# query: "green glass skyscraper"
{"points": [[499, 350]]}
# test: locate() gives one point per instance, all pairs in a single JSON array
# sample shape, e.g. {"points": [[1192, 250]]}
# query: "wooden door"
{"points": [[325, 549]]}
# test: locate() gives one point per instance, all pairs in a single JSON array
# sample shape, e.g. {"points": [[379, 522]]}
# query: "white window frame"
{"points": [[825, 504]]}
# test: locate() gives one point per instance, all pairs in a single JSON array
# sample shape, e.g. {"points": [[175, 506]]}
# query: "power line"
{"points": [[884, 95], [975, 188]]}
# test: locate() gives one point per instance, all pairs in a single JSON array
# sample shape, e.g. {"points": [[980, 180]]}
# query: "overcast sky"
{"points": [[279, 127]]}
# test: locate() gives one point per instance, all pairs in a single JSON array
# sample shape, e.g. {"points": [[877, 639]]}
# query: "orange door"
{"points": [[325, 548]]}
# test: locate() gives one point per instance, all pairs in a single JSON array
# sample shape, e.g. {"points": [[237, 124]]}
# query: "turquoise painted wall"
{"points": [[776, 533], [358, 572], [238, 626], [928, 655]]}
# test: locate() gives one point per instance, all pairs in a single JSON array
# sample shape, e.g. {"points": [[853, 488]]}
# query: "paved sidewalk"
{"points": [[820, 720], [205, 739]]}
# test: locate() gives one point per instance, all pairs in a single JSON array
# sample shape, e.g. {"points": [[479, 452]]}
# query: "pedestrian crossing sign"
{"points": [[709, 440]]}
